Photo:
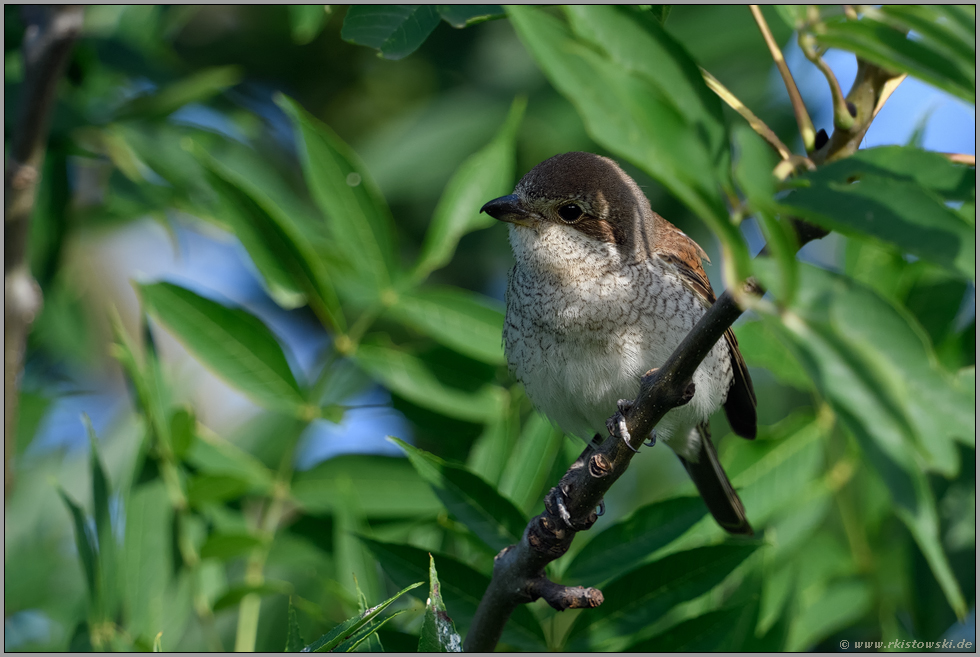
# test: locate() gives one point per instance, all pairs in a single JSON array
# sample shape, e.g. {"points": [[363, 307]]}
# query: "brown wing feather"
{"points": [[675, 247]]}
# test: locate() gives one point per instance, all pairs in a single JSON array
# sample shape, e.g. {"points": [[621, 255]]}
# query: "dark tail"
{"points": [[717, 491]]}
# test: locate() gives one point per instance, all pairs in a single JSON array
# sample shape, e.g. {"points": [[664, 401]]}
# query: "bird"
{"points": [[602, 291]]}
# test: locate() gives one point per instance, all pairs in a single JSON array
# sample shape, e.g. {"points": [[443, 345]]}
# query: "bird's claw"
{"points": [[617, 423], [652, 440]]}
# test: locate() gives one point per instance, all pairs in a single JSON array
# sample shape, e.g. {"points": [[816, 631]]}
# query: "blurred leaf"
{"points": [[472, 501], [761, 348], [723, 630], [274, 237], [412, 379], [660, 12], [213, 456], [460, 16], [438, 634], [840, 605], [462, 588], [337, 635], [105, 544], [231, 342], [754, 175], [305, 24], [354, 568], [294, 640], [86, 551], [227, 546], [863, 195], [202, 489], [183, 426], [526, 474], [629, 541], [32, 407], [640, 111], [366, 633], [158, 642], [384, 486], [235, 594], [396, 30], [358, 216], [485, 175], [491, 451], [198, 86], [147, 556], [793, 15], [462, 320], [889, 48], [642, 596]]}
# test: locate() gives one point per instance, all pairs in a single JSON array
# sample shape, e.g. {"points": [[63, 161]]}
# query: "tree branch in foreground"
{"points": [[48, 39], [570, 507]]}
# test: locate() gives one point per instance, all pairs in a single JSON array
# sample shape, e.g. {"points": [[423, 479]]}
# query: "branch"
{"points": [[754, 121], [48, 39], [799, 109], [518, 570]]}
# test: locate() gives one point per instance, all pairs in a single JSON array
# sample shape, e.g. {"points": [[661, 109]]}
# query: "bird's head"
{"points": [[583, 192]]}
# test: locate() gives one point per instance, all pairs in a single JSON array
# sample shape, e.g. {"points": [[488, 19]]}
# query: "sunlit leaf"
{"points": [[196, 87], [337, 635], [526, 473]]}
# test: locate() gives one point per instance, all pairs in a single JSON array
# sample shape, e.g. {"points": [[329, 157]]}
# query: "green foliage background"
{"points": [[356, 201]]}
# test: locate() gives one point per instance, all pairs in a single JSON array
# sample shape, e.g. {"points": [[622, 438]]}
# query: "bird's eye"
{"points": [[570, 213]]}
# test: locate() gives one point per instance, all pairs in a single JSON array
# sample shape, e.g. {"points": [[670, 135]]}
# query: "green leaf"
{"points": [[396, 30], [86, 551], [204, 489], [194, 88], [465, 321], [147, 560], [460, 16], [472, 501], [867, 197], [640, 112], [462, 587], [214, 456], [231, 342], [754, 175], [384, 486], [226, 546], [105, 540], [359, 220], [761, 348], [412, 379], [158, 642], [660, 12], [793, 15], [438, 634], [294, 640], [354, 566], [642, 596], [723, 630], [485, 175], [889, 48], [526, 474], [623, 545], [305, 24], [367, 633], [183, 426], [839, 607], [273, 232], [234, 595], [337, 635]]}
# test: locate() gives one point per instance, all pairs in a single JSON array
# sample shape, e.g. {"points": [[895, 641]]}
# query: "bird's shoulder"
{"points": [[674, 247]]}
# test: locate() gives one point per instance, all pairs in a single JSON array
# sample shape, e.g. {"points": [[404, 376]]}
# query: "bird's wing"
{"points": [[675, 247]]}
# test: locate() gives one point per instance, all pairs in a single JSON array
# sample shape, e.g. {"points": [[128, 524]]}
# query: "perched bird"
{"points": [[604, 290]]}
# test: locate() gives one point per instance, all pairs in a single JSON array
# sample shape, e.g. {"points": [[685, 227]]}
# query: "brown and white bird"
{"points": [[604, 289]]}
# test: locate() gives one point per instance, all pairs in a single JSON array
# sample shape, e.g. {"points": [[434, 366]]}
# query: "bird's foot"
{"points": [[617, 423], [652, 440]]}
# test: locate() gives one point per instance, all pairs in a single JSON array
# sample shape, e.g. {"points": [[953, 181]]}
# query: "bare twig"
{"points": [[961, 158], [50, 34], [843, 118], [887, 91], [799, 109], [755, 122], [518, 570]]}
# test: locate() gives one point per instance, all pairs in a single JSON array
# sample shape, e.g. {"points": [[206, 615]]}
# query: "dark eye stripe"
{"points": [[570, 213]]}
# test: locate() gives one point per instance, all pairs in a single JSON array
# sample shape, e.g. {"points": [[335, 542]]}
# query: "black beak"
{"points": [[506, 208]]}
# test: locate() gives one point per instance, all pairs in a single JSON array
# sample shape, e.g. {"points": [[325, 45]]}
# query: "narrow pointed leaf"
{"points": [[409, 377], [358, 217], [86, 551], [642, 596], [485, 175], [472, 501], [620, 547], [461, 587], [526, 475], [462, 320], [438, 634], [349, 627], [294, 640], [231, 342]]}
